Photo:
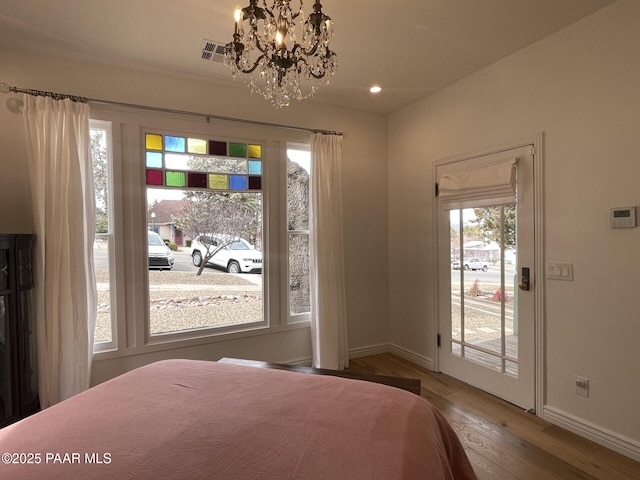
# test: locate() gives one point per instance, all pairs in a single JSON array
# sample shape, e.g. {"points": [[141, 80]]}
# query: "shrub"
{"points": [[172, 246], [474, 291], [497, 296]]}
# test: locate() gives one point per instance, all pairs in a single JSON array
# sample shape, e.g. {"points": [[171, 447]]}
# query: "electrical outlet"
{"points": [[581, 386]]}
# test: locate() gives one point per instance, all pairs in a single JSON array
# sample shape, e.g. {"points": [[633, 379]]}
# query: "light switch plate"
{"points": [[560, 271]]}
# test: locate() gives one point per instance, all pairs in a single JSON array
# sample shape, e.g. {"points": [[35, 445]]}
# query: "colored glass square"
{"points": [[217, 148], [255, 167], [218, 182], [255, 151], [154, 159], [154, 177], [174, 144], [237, 150], [197, 180], [237, 182], [255, 183], [153, 141], [197, 145], [176, 179]]}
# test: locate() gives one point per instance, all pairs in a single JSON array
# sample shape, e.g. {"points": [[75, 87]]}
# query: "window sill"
{"points": [[170, 342]]}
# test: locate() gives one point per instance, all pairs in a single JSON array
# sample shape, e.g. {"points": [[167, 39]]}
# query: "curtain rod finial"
{"points": [[5, 87]]}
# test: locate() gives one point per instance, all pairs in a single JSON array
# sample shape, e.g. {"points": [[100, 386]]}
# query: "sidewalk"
{"points": [[167, 287]]}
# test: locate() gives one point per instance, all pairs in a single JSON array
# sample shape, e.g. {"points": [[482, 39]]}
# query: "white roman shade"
{"points": [[485, 186]]}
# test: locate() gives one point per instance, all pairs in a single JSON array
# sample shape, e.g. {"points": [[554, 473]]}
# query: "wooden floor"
{"points": [[502, 441]]}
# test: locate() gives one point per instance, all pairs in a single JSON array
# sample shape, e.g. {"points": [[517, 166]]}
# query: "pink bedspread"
{"points": [[186, 419]]}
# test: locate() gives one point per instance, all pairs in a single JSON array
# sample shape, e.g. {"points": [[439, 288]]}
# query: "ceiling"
{"points": [[411, 48]]}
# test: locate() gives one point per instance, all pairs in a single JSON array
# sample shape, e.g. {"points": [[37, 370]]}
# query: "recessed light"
{"points": [[375, 89]]}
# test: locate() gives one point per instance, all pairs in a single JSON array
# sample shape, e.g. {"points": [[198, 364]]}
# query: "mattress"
{"points": [[188, 419]]}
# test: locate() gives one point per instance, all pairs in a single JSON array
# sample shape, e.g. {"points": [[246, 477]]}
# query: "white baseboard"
{"points": [[369, 350], [413, 357], [595, 433], [304, 362], [353, 353]]}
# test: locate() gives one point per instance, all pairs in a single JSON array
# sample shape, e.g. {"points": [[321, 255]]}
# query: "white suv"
{"points": [[235, 256], [475, 263], [160, 256]]}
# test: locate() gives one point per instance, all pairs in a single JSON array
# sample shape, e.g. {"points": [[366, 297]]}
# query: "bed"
{"points": [[188, 419]]}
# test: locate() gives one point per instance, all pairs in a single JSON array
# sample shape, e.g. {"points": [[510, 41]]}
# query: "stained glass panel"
{"points": [[176, 179], [255, 167], [255, 183], [154, 159], [197, 145], [217, 148], [197, 180], [237, 150], [237, 182], [254, 151], [174, 144], [218, 182], [153, 141], [154, 177], [232, 165]]}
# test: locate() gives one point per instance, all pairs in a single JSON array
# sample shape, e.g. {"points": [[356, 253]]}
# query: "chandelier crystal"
{"points": [[259, 52]]}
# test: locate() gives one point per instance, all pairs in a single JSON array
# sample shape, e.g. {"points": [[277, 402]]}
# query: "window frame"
{"points": [[106, 126], [127, 247], [303, 316]]}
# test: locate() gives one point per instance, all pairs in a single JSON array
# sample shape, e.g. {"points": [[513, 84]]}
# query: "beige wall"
{"points": [[364, 184], [581, 87]]}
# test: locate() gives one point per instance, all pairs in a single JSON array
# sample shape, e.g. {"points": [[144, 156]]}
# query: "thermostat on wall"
{"points": [[622, 217]]}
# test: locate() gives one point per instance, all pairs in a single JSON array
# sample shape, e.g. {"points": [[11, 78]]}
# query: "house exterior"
{"points": [[161, 219], [578, 86]]}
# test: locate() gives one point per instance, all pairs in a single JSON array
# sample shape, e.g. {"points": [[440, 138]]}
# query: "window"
{"points": [[196, 246], [100, 141], [209, 273], [298, 176]]}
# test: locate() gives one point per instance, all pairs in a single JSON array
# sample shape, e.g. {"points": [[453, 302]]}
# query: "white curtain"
{"points": [[61, 176], [328, 303]]}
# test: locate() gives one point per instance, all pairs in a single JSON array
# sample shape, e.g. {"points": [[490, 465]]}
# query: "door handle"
{"points": [[525, 282]]}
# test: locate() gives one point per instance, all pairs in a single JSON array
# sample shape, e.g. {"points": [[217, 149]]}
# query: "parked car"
{"points": [[234, 255], [455, 264], [160, 256], [474, 263]]}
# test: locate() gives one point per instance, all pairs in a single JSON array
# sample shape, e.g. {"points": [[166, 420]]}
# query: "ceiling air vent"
{"points": [[212, 51]]}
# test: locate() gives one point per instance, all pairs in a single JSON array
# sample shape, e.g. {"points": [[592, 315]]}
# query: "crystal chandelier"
{"points": [[260, 54]]}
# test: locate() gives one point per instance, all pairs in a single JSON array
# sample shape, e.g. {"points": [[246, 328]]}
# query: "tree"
{"points": [[490, 223], [100, 179], [472, 232], [298, 221], [220, 218], [297, 197]]}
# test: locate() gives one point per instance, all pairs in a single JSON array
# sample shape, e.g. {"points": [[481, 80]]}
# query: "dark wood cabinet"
{"points": [[18, 367]]}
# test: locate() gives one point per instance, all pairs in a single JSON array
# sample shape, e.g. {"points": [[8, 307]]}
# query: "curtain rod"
{"points": [[6, 88]]}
